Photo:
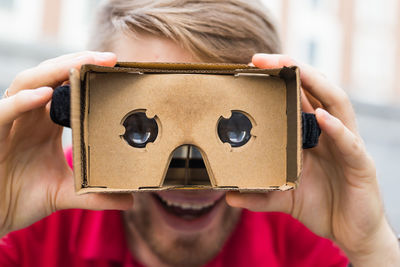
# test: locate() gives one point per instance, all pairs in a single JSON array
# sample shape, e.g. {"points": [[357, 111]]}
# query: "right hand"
{"points": [[35, 179]]}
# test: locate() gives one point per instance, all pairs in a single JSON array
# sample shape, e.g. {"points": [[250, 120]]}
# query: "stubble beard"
{"points": [[182, 251]]}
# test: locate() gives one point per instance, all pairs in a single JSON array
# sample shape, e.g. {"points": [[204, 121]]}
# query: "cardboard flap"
{"points": [[195, 68], [78, 144]]}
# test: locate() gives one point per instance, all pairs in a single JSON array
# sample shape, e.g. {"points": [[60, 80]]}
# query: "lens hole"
{"points": [[235, 130], [140, 130]]}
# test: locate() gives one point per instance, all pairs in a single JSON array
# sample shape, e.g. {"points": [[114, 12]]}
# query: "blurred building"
{"points": [[34, 30], [355, 43]]}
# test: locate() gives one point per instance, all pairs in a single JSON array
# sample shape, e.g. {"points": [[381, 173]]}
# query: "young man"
{"points": [[338, 197]]}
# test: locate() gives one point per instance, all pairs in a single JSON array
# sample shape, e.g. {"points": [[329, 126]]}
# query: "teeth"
{"points": [[188, 206]]}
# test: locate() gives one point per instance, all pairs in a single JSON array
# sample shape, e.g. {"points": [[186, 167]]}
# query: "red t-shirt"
{"points": [[85, 238]]}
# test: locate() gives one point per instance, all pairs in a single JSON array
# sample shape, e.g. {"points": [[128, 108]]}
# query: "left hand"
{"points": [[338, 196], [35, 179]]}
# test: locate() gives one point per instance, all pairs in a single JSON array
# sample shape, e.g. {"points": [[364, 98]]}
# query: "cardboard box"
{"points": [[187, 102]]}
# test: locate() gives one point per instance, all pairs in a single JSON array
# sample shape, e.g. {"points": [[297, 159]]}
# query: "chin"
{"points": [[182, 227]]}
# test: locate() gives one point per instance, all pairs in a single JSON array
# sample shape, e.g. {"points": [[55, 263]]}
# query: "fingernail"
{"points": [[323, 113], [42, 91], [259, 55], [105, 55], [272, 59]]}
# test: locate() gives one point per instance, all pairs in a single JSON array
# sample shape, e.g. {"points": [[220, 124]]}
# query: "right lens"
{"points": [[140, 130], [235, 130]]}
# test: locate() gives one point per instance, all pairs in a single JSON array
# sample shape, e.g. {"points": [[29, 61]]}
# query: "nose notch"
{"points": [[187, 168]]}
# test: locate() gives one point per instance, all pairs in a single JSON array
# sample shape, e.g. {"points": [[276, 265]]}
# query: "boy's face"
{"points": [[179, 228]]}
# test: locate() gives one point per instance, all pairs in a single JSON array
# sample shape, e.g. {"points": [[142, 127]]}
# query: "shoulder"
{"points": [[60, 222], [43, 235], [292, 243], [57, 235]]}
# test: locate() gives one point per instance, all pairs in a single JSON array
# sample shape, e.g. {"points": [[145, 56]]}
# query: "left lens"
{"points": [[140, 130]]}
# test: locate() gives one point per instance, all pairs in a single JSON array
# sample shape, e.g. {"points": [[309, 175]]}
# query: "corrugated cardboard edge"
{"points": [[157, 67], [291, 75], [76, 128], [299, 130], [77, 124], [285, 187]]}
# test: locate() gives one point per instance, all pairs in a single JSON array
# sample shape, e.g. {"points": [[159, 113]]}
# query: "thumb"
{"points": [[270, 201]]}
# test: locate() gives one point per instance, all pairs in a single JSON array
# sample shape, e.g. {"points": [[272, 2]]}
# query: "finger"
{"points": [[98, 201], [333, 98], [12, 107], [55, 72], [271, 201], [311, 79], [66, 57], [312, 100], [66, 198], [349, 145], [305, 103]]}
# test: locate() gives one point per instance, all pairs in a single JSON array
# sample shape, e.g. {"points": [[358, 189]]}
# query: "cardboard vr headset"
{"points": [[129, 121]]}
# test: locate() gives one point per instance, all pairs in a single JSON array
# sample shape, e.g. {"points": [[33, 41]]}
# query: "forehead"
{"points": [[151, 48]]}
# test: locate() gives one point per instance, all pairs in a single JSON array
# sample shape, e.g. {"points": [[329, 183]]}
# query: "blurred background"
{"points": [[354, 43]]}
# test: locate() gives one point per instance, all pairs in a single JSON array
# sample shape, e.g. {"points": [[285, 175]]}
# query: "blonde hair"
{"points": [[213, 31]]}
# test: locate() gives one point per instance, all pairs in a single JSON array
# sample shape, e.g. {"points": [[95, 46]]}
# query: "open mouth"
{"points": [[186, 211]]}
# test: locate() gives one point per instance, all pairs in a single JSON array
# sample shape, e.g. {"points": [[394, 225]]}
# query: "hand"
{"points": [[35, 179], [338, 196]]}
